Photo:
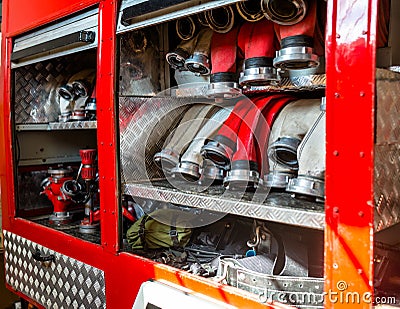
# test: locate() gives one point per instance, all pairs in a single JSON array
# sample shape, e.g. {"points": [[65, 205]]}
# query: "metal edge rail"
{"points": [[271, 209]]}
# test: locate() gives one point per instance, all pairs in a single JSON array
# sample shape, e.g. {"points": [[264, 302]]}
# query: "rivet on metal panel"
{"points": [[102, 143], [104, 210], [105, 244], [361, 214], [110, 144], [360, 271], [336, 210], [337, 95], [364, 32], [362, 94], [336, 153], [335, 266], [362, 154], [337, 35], [113, 212]]}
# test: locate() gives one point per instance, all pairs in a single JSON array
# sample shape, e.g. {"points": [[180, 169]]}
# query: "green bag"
{"points": [[160, 229]]}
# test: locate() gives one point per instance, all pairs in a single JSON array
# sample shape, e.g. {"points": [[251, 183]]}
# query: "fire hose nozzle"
{"points": [[278, 179], [284, 151], [308, 186], [211, 172], [177, 58], [242, 176], [258, 72], [223, 85], [296, 54], [284, 12]]}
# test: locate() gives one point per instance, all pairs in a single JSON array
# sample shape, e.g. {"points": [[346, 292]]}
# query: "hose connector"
{"points": [[296, 53], [284, 12]]}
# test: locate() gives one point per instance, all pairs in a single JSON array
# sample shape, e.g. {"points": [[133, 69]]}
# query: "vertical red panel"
{"points": [[21, 15], [106, 126], [350, 59], [6, 167]]}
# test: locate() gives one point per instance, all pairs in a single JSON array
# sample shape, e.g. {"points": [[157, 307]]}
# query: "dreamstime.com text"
{"points": [[341, 296]]}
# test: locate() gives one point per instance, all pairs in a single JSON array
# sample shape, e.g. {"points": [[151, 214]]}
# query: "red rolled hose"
{"points": [[226, 136], [223, 51], [270, 112], [246, 149], [305, 27], [257, 39]]}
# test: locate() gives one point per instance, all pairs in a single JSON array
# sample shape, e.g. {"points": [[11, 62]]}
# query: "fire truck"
{"points": [[208, 153]]}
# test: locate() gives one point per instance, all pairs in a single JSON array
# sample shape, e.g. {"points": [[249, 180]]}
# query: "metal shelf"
{"points": [[52, 126], [276, 207]]}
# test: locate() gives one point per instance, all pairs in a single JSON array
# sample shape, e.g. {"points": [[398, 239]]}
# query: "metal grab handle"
{"points": [[146, 7], [43, 258], [84, 37]]}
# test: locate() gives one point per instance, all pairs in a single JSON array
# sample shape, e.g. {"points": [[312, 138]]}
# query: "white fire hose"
{"points": [[192, 121], [191, 160], [289, 129], [311, 155]]}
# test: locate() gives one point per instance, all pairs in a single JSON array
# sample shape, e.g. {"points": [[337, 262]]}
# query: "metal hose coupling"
{"points": [[289, 129], [311, 153], [249, 159], [192, 121], [199, 62], [219, 149], [284, 12], [74, 94], [223, 79], [256, 41], [191, 160], [250, 10], [211, 173], [221, 19], [297, 42], [177, 58]]}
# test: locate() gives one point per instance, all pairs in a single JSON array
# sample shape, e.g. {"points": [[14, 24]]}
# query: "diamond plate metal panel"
{"points": [[144, 125], [64, 283], [35, 86], [278, 207], [387, 150], [297, 83]]}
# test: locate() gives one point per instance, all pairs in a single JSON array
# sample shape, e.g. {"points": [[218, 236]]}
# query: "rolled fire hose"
{"points": [[223, 79], [202, 19], [289, 129], [248, 159], [191, 160], [297, 42], [250, 10], [220, 148], [284, 12], [221, 19], [257, 42], [199, 61], [177, 58], [311, 153], [270, 113], [185, 28], [187, 129]]}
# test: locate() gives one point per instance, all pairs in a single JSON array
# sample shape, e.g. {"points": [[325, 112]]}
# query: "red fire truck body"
{"points": [[116, 275]]}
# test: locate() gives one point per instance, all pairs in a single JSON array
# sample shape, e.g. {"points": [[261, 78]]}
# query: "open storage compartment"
{"points": [[179, 82], [54, 118]]}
